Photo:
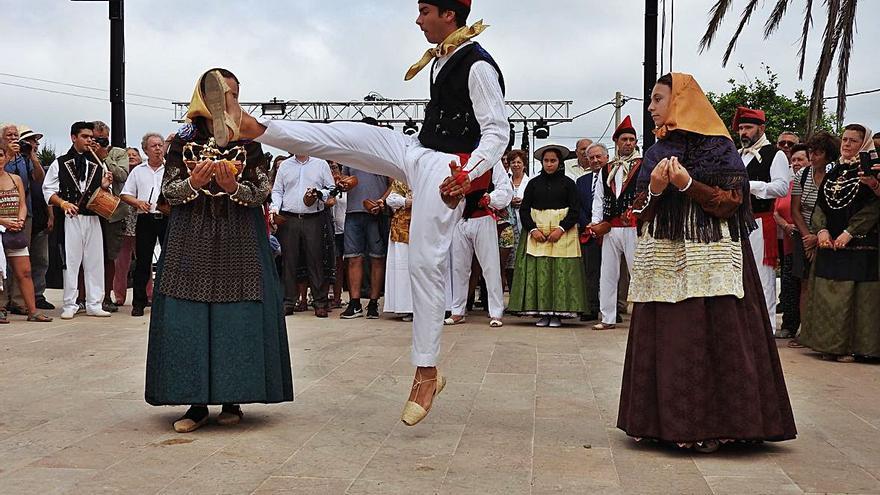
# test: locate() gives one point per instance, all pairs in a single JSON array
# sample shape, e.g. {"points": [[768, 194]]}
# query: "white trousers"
{"points": [[480, 236], [620, 241], [381, 151], [766, 273], [83, 246]]}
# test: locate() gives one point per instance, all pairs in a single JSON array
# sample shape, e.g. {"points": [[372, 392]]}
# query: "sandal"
{"points": [[413, 412], [3, 315], [39, 317], [794, 344], [454, 320], [215, 99]]}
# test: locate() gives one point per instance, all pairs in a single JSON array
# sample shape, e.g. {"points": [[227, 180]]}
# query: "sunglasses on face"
{"points": [[102, 141], [786, 144]]}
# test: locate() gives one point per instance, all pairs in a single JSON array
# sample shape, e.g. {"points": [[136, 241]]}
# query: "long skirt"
{"points": [[220, 353], [398, 289], [705, 369], [842, 317], [545, 286]]}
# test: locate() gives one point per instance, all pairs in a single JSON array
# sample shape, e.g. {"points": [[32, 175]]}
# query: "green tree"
{"points": [[837, 41], [783, 113], [47, 155]]}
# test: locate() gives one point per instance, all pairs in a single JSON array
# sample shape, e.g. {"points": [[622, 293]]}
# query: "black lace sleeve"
{"points": [[175, 183], [254, 186]]}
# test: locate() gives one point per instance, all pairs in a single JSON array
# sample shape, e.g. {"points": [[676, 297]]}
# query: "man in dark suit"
{"points": [[591, 248]]}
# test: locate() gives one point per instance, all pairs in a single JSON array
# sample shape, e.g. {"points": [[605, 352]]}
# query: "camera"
{"points": [[25, 147]]}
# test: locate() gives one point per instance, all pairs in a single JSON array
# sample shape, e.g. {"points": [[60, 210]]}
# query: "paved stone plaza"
{"points": [[526, 410]]}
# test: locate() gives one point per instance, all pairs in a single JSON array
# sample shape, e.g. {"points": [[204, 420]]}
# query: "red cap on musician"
{"points": [[625, 127], [745, 115]]}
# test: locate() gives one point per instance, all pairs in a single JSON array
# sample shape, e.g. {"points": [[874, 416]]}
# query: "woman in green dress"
{"points": [[842, 313], [217, 330], [549, 277]]}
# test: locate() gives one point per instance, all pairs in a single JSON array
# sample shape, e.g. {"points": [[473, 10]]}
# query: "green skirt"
{"points": [[220, 353], [842, 317], [544, 286]]}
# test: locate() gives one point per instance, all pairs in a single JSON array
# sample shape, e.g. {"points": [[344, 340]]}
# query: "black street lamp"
{"points": [[117, 71]]}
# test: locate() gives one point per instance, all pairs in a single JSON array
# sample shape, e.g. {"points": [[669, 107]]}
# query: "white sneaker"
{"points": [[496, 323], [100, 313], [68, 314], [543, 322]]}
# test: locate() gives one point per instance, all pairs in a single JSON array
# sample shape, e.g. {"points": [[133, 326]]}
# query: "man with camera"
{"points": [[116, 162], [25, 164], [301, 186]]}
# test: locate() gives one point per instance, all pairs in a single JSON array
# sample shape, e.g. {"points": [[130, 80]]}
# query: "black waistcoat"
{"points": [[68, 184], [761, 171], [450, 124], [613, 205]]}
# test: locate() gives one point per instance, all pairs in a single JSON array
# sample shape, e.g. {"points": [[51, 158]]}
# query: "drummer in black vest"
{"points": [[70, 183], [464, 134], [769, 178]]}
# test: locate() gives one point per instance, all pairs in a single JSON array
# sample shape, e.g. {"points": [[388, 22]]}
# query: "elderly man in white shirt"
{"points": [[141, 191], [769, 178], [301, 186]]}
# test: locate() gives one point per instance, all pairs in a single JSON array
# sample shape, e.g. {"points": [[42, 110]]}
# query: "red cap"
{"points": [[745, 115], [625, 127], [449, 4]]}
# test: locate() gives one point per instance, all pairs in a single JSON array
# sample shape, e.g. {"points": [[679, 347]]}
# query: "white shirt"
{"points": [[490, 111], [519, 191], [52, 183], [780, 178], [598, 208], [294, 178], [145, 184], [502, 192]]}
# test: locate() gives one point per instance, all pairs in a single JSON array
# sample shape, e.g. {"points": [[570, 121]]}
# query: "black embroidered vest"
{"points": [[68, 184], [613, 205], [761, 172], [450, 124]]}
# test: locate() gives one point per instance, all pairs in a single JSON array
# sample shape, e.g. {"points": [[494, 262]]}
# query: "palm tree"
{"points": [[836, 41]]}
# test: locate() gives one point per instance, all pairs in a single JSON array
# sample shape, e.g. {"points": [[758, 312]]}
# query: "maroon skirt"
{"points": [[705, 369]]}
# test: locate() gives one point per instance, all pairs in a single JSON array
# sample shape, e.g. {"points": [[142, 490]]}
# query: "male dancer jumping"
{"points": [[465, 131]]}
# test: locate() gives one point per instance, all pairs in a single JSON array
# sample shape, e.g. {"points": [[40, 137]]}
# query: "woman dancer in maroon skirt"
{"points": [[701, 363]]}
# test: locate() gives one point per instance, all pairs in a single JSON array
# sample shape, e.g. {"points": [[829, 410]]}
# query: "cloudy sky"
{"points": [[580, 50]]}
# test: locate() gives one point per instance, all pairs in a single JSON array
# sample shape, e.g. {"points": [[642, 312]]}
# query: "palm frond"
{"points": [[802, 52], [717, 13], [829, 48], [746, 16], [775, 17], [845, 29]]}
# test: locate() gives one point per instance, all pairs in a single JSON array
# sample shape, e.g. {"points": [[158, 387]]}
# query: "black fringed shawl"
{"points": [[711, 160]]}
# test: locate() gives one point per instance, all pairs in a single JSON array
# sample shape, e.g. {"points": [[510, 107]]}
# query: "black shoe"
{"points": [[373, 309], [589, 317], [109, 307], [288, 311], [354, 310], [16, 310], [42, 303], [619, 319], [137, 311]]}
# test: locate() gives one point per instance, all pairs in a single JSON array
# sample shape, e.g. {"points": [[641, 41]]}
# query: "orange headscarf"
{"points": [[690, 110]]}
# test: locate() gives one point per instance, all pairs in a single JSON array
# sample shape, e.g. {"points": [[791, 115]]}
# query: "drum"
{"points": [[103, 203]]}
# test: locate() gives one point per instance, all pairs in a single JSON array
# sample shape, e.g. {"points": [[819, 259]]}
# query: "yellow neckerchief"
{"points": [[626, 163], [755, 149], [453, 41]]}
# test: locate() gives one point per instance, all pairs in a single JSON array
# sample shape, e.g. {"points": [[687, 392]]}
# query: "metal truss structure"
{"points": [[387, 111]]}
